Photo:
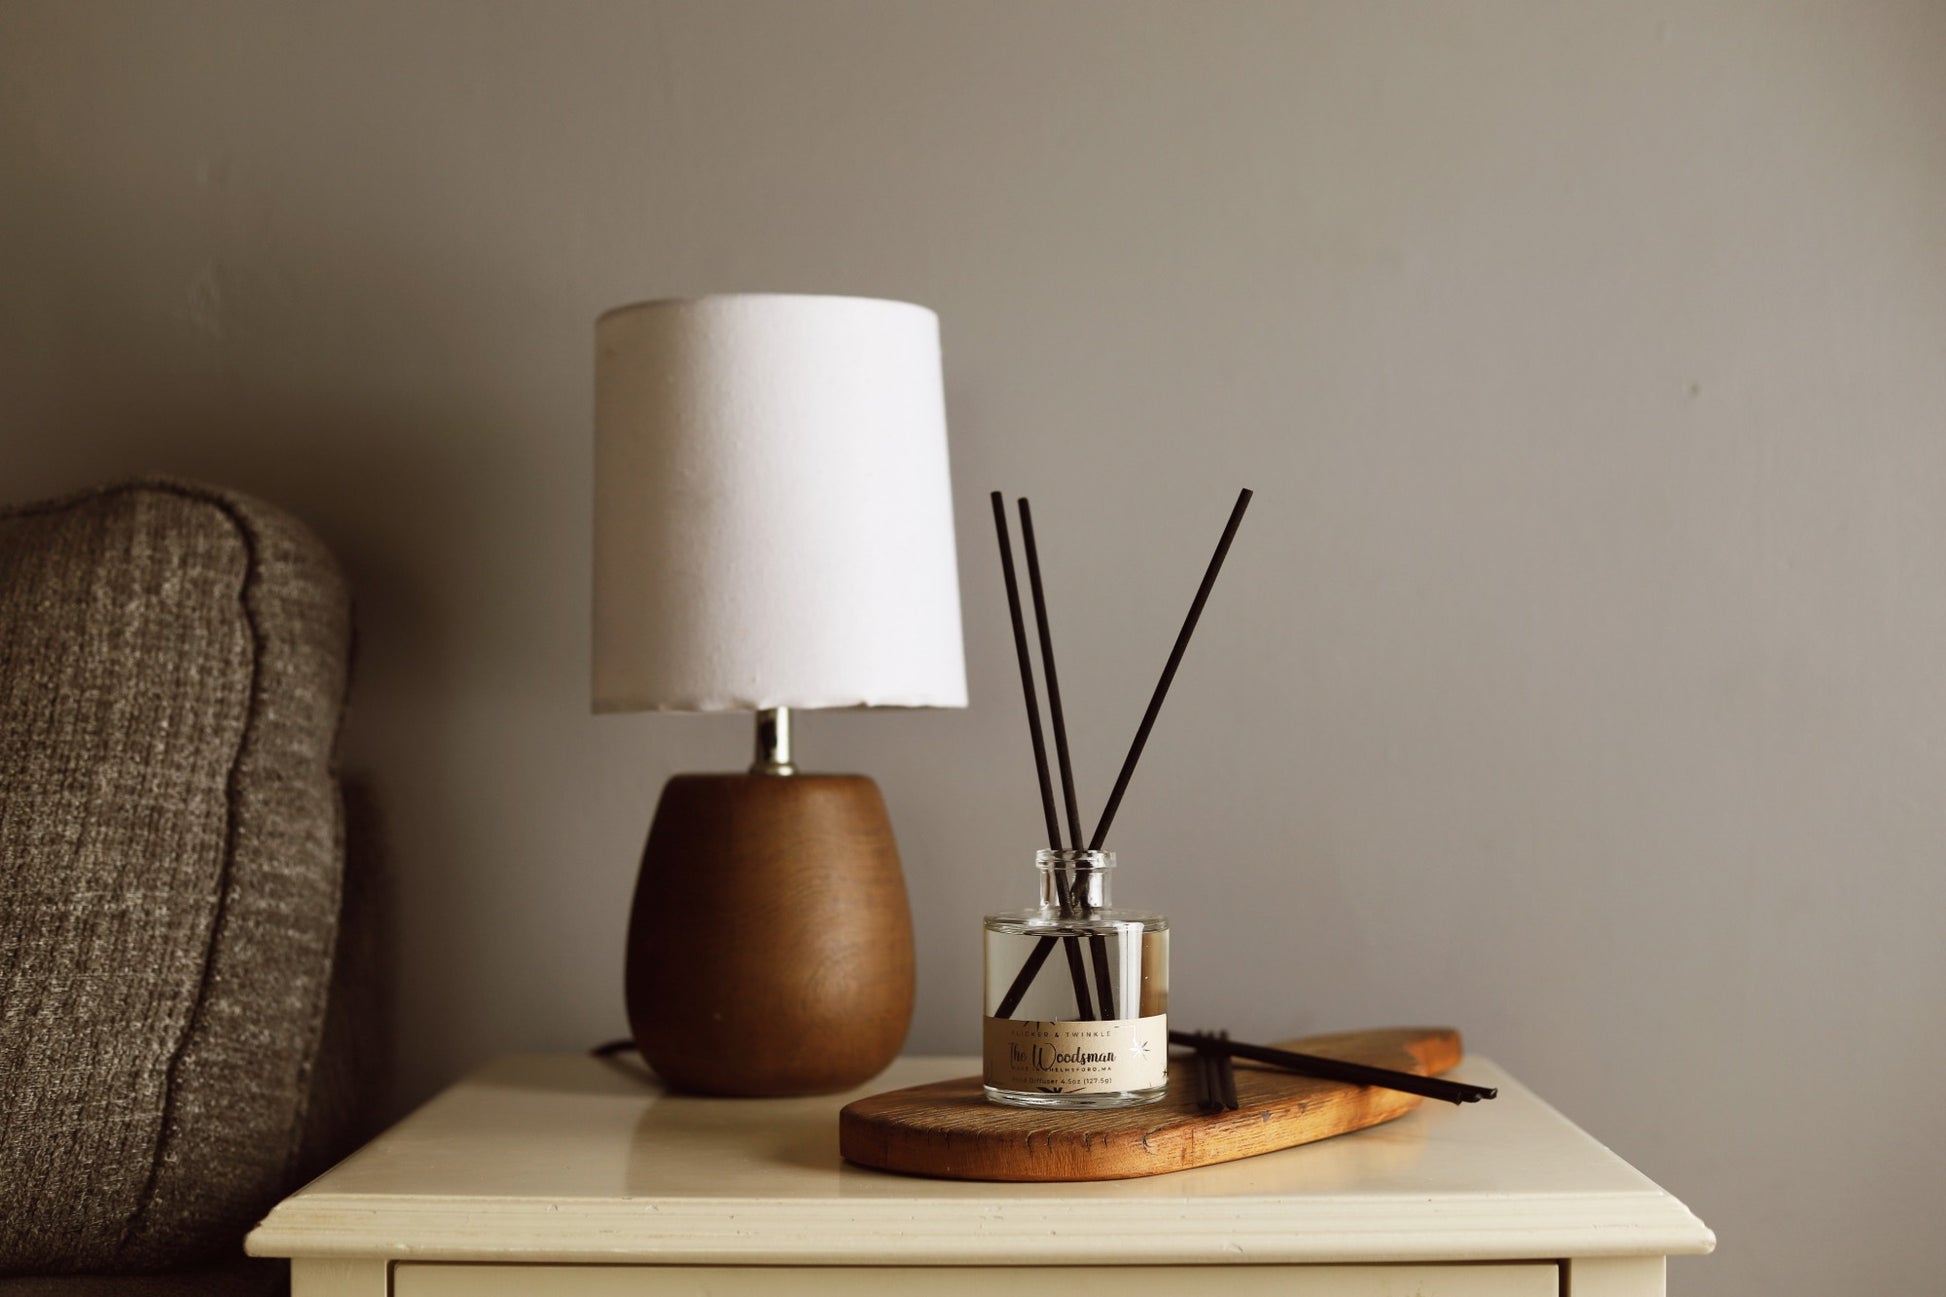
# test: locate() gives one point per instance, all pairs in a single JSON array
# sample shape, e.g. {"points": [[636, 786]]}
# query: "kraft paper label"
{"points": [[1077, 1057]]}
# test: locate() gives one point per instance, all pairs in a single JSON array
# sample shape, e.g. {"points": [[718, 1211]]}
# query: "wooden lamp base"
{"points": [[770, 945]]}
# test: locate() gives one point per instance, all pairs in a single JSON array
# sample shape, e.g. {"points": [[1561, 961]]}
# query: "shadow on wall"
{"points": [[357, 1042]]}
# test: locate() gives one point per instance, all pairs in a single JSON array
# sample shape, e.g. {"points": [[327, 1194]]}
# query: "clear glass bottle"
{"points": [[1052, 1038]]}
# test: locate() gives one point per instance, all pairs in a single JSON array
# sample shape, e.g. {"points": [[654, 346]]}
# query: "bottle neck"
{"points": [[1076, 880]]}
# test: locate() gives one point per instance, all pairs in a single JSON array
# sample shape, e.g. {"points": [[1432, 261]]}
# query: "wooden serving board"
{"points": [[948, 1129]]}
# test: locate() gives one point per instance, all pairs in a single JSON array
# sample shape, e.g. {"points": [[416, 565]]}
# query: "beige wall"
{"points": [[1579, 677]]}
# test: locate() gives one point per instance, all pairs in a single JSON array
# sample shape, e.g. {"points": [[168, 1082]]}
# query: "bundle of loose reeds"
{"points": [[1215, 1049], [1072, 899]]}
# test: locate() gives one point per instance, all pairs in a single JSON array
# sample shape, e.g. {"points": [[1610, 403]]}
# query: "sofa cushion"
{"points": [[172, 664]]}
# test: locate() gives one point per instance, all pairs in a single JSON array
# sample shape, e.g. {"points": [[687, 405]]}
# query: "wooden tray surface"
{"points": [[949, 1130]]}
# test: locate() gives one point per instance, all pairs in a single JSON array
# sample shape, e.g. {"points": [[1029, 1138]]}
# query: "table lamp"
{"points": [[773, 530]]}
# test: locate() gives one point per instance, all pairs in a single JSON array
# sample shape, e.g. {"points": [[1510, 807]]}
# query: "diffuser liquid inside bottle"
{"points": [[1055, 1039]]}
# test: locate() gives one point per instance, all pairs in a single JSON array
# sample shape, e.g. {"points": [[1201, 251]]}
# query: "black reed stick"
{"points": [[1031, 966], [1209, 1090], [1026, 666], [1337, 1069], [1030, 969], [1169, 672], [1097, 944], [1226, 1076], [1075, 966], [1047, 669]]}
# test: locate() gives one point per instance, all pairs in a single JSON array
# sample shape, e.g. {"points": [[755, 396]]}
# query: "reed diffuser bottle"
{"points": [[1092, 1030], [1085, 1026]]}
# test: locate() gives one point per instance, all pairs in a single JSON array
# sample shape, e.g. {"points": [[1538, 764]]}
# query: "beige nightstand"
{"points": [[576, 1175]]}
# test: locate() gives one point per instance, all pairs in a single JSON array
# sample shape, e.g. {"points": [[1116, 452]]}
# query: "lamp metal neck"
{"points": [[773, 743]]}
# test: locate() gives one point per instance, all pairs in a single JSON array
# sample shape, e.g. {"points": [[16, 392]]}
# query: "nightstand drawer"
{"points": [[1524, 1279]]}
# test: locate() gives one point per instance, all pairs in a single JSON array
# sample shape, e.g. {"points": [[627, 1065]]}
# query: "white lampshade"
{"points": [[773, 507]]}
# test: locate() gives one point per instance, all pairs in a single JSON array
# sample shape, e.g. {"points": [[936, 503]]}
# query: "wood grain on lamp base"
{"points": [[948, 1129], [770, 945]]}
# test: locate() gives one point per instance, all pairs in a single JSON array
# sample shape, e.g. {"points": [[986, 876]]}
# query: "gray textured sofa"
{"points": [[172, 675]]}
